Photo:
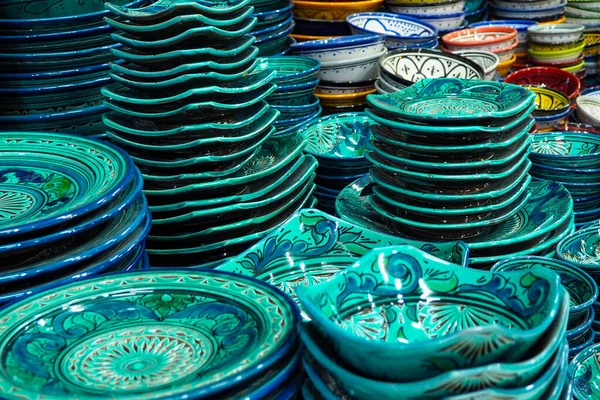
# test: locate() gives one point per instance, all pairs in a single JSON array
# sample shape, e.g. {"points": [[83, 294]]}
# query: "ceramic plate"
{"points": [[585, 370], [47, 179], [448, 99], [149, 340]]}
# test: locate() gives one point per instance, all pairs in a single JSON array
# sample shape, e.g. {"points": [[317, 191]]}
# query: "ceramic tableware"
{"points": [[398, 30], [485, 59], [482, 38], [553, 78], [579, 249], [584, 372], [587, 110]]}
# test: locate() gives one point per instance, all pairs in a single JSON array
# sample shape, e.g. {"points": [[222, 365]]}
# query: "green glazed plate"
{"points": [[450, 99], [585, 370], [291, 69], [153, 334], [163, 10], [49, 179], [566, 150]]}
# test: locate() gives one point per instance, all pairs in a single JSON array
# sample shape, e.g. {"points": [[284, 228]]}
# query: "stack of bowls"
{"points": [[326, 19], [583, 293], [477, 10], [391, 357], [548, 77], [348, 70], [500, 40], [274, 24], [445, 15], [338, 143], [53, 61], [586, 12], [573, 159], [537, 10], [215, 178], [399, 69], [405, 178], [73, 207], [400, 31], [521, 27], [552, 107], [557, 45], [156, 334], [588, 110], [592, 61], [294, 97]]}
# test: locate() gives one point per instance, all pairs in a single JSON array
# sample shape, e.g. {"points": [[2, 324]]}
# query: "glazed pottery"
{"points": [[485, 59], [579, 248], [336, 309], [333, 11], [549, 102], [584, 371], [397, 29], [564, 149], [553, 78], [587, 110], [482, 38]]}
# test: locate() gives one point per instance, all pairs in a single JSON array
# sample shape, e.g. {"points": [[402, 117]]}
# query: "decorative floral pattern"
{"points": [[586, 378]]}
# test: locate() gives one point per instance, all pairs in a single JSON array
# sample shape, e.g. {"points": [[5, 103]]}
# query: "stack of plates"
{"points": [[345, 78], [338, 143], [294, 97], [582, 289], [195, 121], [53, 61], [362, 342], [537, 10], [153, 334], [574, 160], [591, 59], [274, 23], [72, 207], [449, 161]]}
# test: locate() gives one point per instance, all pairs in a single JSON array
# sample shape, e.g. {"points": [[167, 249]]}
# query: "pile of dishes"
{"points": [[348, 69], [500, 40], [558, 45], [573, 159], [399, 69], [153, 334], [294, 97], [521, 343], [190, 109], [54, 59], [583, 293], [445, 15], [521, 27], [400, 31], [588, 110], [338, 143], [72, 207], [548, 77], [537, 10], [274, 24], [450, 161], [584, 12]]}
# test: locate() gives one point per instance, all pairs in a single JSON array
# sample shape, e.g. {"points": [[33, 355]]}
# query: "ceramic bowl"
{"points": [[557, 56], [555, 34], [335, 306], [427, 9], [332, 11], [409, 66], [340, 49], [354, 70], [520, 25], [544, 14], [344, 100], [579, 248], [290, 69], [549, 102], [444, 385], [532, 6], [566, 149], [505, 67], [399, 30], [486, 60], [588, 110], [553, 78], [487, 38], [584, 372], [582, 289], [478, 15], [446, 22]]}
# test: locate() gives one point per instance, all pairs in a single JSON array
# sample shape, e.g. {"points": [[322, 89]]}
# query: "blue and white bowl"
{"points": [[446, 22], [399, 30], [351, 70], [427, 9], [498, 9], [340, 49]]}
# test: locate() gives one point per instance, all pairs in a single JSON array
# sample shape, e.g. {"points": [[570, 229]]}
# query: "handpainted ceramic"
{"points": [[566, 149], [166, 9], [448, 99], [409, 66], [337, 309], [553, 78], [582, 289], [355, 70], [588, 109], [482, 38], [445, 384], [549, 101], [216, 312], [505, 67], [446, 22], [578, 326], [291, 69], [343, 48], [65, 177], [425, 9], [397, 29], [555, 33], [585, 370], [485, 59], [333, 11], [580, 248], [520, 25], [561, 56]]}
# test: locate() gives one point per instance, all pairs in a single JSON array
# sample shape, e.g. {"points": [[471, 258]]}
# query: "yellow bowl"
{"points": [[305, 38], [591, 39], [547, 99], [564, 55], [575, 68], [504, 68], [333, 11], [346, 99], [555, 48], [561, 20]]}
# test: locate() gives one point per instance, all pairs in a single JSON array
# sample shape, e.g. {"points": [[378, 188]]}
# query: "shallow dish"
{"points": [[418, 9], [291, 69], [520, 25], [485, 59], [448, 99], [588, 110], [336, 307], [397, 29], [580, 248], [553, 78], [410, 66]]}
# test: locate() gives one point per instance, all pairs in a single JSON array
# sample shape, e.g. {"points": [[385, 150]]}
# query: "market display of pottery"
{"points": [[298, 199]]}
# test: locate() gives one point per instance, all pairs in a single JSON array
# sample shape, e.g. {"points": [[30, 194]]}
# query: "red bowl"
{"points": [[577, 127], [554, 78]]}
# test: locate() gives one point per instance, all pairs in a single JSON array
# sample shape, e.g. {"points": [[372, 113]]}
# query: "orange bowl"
{"points": [[333, 11]]}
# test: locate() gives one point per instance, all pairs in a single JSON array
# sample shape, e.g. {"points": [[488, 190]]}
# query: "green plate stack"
{"points": [[189, 107]]}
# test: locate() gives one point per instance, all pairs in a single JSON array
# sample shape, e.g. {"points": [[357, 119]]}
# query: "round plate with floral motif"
{"points": [[144, 335], [49, 179]]}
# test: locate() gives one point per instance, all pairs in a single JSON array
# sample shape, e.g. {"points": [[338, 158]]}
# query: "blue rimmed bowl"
{"points": [[581, 249], [339, 49], [398, 30], [566, 150]]}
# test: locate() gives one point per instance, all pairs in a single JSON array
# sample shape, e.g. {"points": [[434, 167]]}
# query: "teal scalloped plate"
{"points": [[165, 9]]}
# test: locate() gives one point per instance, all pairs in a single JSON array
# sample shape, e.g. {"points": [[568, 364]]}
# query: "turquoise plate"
{"points": [[209, 334], [566, 150], [290, 69], [585, 372], [450, 99], [163, 10], [49, 179]]}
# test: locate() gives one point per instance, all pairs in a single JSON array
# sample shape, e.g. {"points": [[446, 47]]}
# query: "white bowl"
{"points": [[493, 47], [398, 29], [525, 14], [448, 22], [582, 13], [555, 33], [355, 70], [486, 59], [588, 110], [427, 9], [506, 54], [526, 5], [346, 53]]}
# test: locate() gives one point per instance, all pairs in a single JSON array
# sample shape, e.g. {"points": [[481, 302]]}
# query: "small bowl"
{"points": [[541, 48], [355, 70], [505, 67], [564, 56], [399, 30], [580, 249], [553, 78], [290, 69], [488, 38], [409, 66], [435, 290], [582, 289], [342, 48], [588, 110], [486, 60], [583, 371], [533, 6], [345, 100], [332, 11], [427, 9], [445, 22], [520, 25], [555, 34], [548, 101], [508, 52]]}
